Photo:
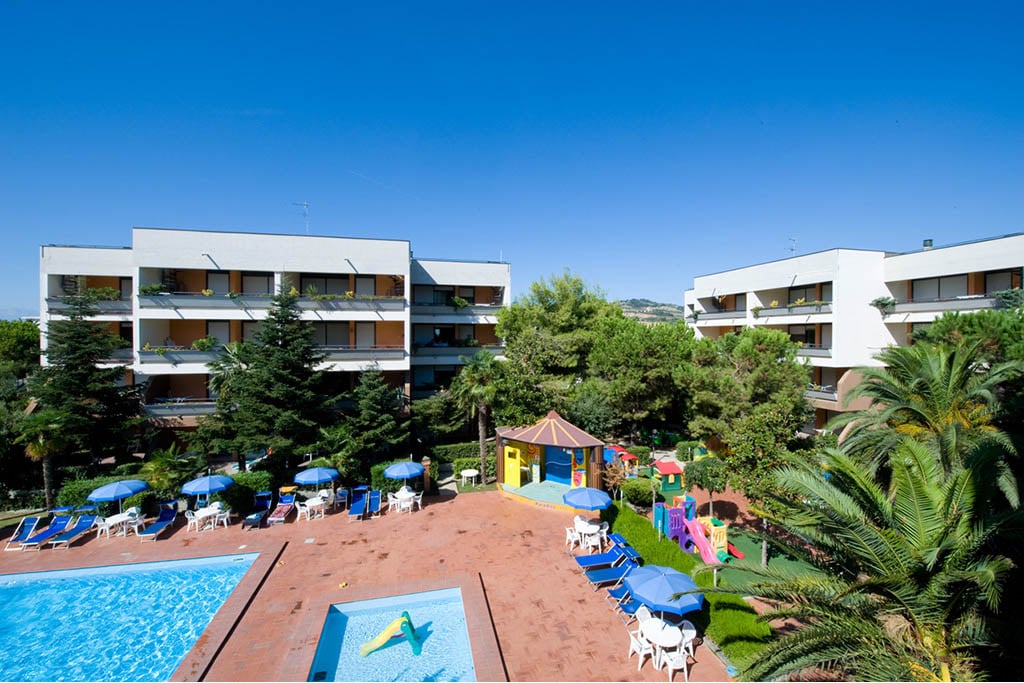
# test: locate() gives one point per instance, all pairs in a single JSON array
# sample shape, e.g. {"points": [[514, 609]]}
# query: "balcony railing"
{"points": [[124, 356], [180, 407], [448, 309], [814, 350], [119, 306], [721, 315], [355, 303], [970, 302], [176, 355], [825, 392], [793, 309], [175, 300], [453, 352], [356, 353]]}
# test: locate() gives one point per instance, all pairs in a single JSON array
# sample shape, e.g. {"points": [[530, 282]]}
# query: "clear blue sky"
{"points": [[635, 144]]}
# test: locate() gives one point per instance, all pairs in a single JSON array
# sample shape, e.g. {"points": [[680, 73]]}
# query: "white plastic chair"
{"points": [[572, 537], [193, 523], [393, 502], [418, 499], [302, 508], [341, 498], [223, 517], [689, 635], [676, 660], [641, 646], [592, 541]]}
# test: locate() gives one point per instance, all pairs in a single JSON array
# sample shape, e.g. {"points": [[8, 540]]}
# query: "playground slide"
{"points": [[735, 552], [400, 626], [700, 539]]}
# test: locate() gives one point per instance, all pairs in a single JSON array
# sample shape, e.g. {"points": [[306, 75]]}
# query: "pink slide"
{"points": [[700, 539]]}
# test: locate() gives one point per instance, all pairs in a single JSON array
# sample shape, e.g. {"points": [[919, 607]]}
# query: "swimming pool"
{"points": [[118, 623], [439, 622]]}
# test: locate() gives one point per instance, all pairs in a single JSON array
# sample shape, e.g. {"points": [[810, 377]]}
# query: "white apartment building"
{"points": [[173, 292], [824, 300]]}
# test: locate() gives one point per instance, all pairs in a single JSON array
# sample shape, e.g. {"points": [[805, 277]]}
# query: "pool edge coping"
{"points": [[203, 654], [488, 663]]}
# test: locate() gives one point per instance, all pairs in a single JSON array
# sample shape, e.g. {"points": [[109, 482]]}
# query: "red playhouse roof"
{"points": [[552, 430], [667, 468], [627, 456]]}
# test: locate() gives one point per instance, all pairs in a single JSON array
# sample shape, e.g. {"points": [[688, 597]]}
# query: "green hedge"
{"points": [[76, 492], [642, 453], [449, 452], [242, 496], [727, 619], [684, 450], [473, 463], [638, 492]]}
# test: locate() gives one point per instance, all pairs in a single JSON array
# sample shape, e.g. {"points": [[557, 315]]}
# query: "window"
{"points": [[323, 284], [938, 288], [422, 295], [798, 293], [468, 293], [249, 330], [998, 282], [219, 330], [803, 334], [219, 283], [126, 288], [366, 285], [257, 283], [330, 334], [366, 335]]}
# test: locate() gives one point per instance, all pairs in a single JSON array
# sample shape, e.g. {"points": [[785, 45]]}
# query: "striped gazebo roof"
{"points": [[552, 430]]}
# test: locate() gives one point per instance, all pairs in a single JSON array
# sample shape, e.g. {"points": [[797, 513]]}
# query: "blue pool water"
{"points": [[438, 618], [118, 623]]}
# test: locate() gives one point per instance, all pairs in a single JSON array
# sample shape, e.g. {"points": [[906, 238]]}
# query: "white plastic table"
{"points": [[203, 514], [662, 636], [405, 496], [470, 475], [317, 506]]}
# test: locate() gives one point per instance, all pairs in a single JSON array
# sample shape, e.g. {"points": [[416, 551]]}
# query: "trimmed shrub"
{"points": [[473, 463], [449, 452], [684, 450], [638, 492], [380, 482], [76, 491], [242, 495], [643, 453]]}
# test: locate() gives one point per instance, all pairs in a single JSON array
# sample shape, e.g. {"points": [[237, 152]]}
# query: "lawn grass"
{"points": [[726, 619]]}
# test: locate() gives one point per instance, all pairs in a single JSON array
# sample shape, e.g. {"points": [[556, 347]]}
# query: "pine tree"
{"points": [[81, 410], [376, 429], [273, 398]]}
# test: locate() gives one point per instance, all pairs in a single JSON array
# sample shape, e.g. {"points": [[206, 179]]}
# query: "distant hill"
{"points": [[649, 311]]}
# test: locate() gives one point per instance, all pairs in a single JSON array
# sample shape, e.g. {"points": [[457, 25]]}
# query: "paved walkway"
{"points": [[550, 625]]}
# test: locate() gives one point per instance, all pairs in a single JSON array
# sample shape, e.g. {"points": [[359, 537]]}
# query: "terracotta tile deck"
{"points": [[550, 625]]}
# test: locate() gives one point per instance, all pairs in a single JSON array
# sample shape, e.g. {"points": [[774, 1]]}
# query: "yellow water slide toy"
{"points": [[399, 627]]}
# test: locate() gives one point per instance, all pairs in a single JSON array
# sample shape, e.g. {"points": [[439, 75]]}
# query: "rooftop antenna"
{"points": [[305, 212], [792, 245]]}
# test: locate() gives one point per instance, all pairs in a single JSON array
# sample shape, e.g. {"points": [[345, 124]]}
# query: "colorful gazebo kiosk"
{"points": [[543, 461]]}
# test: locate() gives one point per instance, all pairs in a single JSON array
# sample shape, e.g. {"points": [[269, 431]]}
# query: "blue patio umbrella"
{"points": [[314, 476], [406, 469], [204, 486], [586, 498], [117, 490], [654, 586]]}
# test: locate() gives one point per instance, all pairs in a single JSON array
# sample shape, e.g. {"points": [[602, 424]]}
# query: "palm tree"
{"points": [[234, 360], [905, 581], [936, 394], [474, 389], [41, 432]]}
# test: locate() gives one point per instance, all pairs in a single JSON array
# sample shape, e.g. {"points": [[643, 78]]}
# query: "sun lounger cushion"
{"points": [[84, 524], [56, 526]]}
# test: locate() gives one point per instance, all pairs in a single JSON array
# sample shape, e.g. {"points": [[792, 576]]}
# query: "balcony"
{"points": [[362, 354], [450, 354], [177, 355], [192, 300], [793, 309], [180, 407], [104, 307], [968, 302], [448, 309], [821, 392], [330, 302], [814, 351], [720, 315], [120, 357]]}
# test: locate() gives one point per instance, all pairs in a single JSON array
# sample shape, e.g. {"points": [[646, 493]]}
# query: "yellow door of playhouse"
{"points": [[512, 458]]}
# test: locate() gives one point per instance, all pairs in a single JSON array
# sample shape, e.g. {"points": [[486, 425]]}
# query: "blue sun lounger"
{"points": [[56, 526], [357, 506], [260, 509], [373, 507], [82, 526], [164, 520], [613, 575], [607, 559], [24, 529]]}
